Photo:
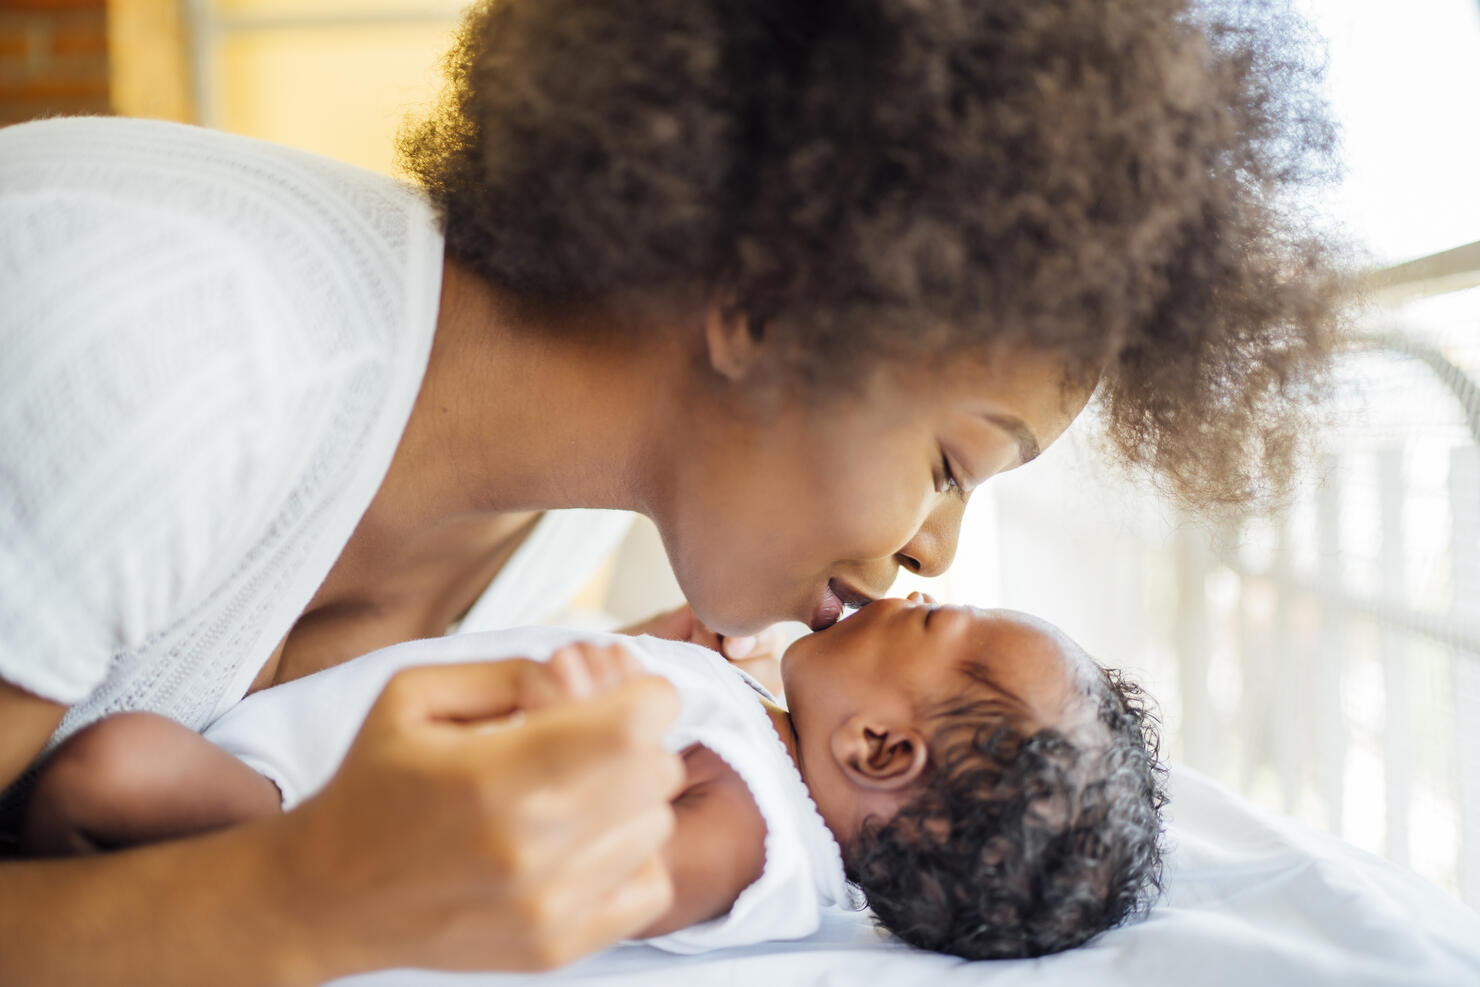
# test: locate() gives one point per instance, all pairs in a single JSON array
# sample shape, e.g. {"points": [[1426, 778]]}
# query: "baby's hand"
{"points": [[579, 670], [759, 654]]}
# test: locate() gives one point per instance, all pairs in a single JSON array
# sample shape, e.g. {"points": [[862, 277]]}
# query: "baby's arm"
{"points": [[718, 846], [138, 778]]}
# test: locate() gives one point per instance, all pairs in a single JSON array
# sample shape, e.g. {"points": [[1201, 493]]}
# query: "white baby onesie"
{"points": [[297, 734]]}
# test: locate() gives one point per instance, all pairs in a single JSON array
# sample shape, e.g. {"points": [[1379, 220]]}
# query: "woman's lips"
{"points": [[836, 597], [828, 609]]}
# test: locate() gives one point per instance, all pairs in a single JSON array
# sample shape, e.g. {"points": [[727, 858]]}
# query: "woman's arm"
{"points": [[26, 722], [440, 842], [137, 778]]}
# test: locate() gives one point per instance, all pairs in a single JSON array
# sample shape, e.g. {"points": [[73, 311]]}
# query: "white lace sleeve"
{"points": [[143, 415]]}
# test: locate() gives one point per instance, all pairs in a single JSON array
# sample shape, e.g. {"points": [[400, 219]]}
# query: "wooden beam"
{"points": [[148, 60], [1436, 274]]}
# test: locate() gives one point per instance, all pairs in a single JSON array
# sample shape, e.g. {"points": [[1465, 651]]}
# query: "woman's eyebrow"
{"points": [[1027, 442]]}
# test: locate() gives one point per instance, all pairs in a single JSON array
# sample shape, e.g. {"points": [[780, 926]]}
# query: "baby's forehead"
{"points": [[1029, 659], [1027, 635]]}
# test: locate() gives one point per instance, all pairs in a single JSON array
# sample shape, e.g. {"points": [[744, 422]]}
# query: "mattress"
{"points": [[1251, 898]]}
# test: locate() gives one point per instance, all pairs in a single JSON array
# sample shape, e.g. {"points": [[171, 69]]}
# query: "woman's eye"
{"points": [[948, 478]]}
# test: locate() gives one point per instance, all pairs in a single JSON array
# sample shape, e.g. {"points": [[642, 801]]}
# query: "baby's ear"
{"points": [[879, 754]]}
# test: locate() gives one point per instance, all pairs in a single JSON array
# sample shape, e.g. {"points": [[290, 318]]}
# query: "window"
{"points": [[1326, 662]]}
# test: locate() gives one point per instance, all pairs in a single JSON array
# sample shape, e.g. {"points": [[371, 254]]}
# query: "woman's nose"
{"points": [[932, 548]]}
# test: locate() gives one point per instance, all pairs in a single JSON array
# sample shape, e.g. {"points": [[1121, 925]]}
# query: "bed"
{"points": [[1252, 899]]}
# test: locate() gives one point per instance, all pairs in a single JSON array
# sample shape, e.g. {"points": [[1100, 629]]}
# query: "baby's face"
{"points": [[858, 692]]}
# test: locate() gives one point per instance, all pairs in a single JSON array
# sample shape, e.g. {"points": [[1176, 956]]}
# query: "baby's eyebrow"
{"points": [[990, 706], [981, 675], [999, 701]]}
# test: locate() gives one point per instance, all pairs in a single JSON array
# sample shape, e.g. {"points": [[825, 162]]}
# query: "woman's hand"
{"points": [[457, 837], [759, 654]]}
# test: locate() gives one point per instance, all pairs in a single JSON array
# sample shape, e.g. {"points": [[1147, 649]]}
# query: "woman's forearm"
{"points": [[439, 842], [217, 909]]}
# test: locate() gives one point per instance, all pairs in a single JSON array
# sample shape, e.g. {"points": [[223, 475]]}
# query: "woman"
{"points": [[791, 279]]}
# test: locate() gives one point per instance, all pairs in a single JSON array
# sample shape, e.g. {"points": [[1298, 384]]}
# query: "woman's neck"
{"points": [[526, 408]]}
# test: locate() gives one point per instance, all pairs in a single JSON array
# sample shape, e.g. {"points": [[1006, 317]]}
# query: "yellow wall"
{"points": [[148, 60], [336, 77], [339, 91]]}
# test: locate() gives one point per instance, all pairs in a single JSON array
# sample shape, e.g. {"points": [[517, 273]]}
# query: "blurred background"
{"points": [[1326, 662]]}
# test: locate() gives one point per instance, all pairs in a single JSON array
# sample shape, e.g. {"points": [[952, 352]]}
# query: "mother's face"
{"points": [[785, 509]]}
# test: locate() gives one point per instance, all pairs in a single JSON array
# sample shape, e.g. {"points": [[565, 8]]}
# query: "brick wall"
{"points": [[53, 58]]}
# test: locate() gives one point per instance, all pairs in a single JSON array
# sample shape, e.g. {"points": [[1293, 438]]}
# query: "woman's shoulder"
{"points": [[330, 246], [211, 345], [156, 272], [101, 152], [152, 269]]}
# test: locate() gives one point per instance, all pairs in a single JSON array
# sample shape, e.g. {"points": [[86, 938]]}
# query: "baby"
{"points": [[990, 790]]}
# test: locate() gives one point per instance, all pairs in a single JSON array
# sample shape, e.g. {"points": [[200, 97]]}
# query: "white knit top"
{"points": [[209, 348]]}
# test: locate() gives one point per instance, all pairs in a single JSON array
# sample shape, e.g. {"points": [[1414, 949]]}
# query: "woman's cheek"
{"points": [[881, 524], [744, 585]]}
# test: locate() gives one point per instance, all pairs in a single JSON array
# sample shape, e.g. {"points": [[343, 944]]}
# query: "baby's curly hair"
{"points": [[1022, 843], [904, 180]]}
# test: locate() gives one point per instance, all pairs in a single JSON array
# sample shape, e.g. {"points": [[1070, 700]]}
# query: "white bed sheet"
{"points": [[1252, 899]]}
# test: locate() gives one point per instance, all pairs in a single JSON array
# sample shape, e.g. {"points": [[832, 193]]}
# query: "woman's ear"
{"points": [[735, 349], [878, 754]]}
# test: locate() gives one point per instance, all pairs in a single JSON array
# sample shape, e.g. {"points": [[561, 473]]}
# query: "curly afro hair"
{"points": [[1021, 844], [891, 180]]}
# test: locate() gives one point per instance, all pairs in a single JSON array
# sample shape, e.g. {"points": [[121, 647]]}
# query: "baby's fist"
{"points": [[579, 670]]}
